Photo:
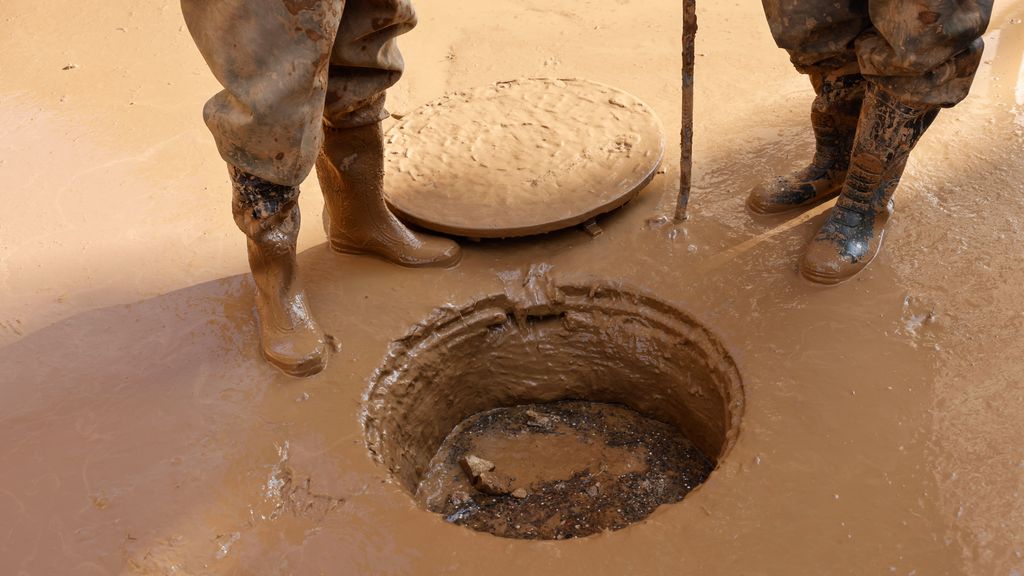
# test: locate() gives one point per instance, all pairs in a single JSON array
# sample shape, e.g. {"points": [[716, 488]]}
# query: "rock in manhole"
{"points": [[532, 353]]}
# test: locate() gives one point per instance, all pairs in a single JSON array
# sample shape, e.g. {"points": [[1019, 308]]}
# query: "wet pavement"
{"points": [[141, 435]]}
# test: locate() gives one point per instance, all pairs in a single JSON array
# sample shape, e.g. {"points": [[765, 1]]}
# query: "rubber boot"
{"points": [[351, 172], [834, 120], [268, 214], [852, 236]]}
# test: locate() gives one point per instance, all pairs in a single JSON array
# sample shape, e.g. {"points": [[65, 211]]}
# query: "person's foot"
{"points": [[379, 233], [290, 338], [852, 236], [394, 242], [805, 188], [268, 214], [351, 172], [834, 120], [849, 240]]}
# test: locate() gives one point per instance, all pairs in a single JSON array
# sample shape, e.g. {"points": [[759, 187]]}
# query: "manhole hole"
{"points": [[554, 416]]}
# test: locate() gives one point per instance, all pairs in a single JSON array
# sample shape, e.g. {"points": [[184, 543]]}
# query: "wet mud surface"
{"points": [[140, 429], [564, 470]]}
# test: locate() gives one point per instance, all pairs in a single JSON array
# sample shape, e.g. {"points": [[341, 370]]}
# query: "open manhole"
{"points": [[556, 416]]}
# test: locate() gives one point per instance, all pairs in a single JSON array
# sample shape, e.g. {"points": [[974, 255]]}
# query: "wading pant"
{"points": [[925, 52], [289, 66]]}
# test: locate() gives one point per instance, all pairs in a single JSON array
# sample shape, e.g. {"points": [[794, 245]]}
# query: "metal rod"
{"points": [[686, 144]]}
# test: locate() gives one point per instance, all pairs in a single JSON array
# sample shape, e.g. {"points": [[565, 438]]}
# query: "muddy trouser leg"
{"points": [[817, 33], [924, 56], [916, 61], [819, 38], [364, 63], [272, 58]]}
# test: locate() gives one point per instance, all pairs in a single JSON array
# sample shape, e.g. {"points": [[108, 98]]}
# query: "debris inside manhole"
{"points": [[557, 471]]}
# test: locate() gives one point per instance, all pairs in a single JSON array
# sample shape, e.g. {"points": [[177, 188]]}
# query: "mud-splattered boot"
{"points": [[351, 172], [834, 120], [268, 214], [853, 234]]}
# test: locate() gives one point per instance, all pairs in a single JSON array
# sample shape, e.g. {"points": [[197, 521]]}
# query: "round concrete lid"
{"points": [[521, 157]]}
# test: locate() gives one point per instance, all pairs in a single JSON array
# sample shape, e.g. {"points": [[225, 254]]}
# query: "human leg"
{"points": [[916, 61], [365, 62], [818, 35], [272, 58]]}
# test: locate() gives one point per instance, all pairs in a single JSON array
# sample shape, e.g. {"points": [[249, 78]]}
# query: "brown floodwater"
{"points": [[556, 471], [881, 430]]}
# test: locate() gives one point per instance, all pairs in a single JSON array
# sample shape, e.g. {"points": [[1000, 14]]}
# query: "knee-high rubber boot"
{"points": [[834, 117], [268, 214], [852, 236], [351, 172]]}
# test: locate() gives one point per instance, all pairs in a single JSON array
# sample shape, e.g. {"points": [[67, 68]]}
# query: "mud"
{"points": [[575, 469], [881, 432]]}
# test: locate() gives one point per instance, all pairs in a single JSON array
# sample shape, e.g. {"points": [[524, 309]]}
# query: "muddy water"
{"points": [[557, 471], [882, 430]]}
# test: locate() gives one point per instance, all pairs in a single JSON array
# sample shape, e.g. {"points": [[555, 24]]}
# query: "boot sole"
{"points": [[814, 276], [445, 264], [304, 369], [825, 280], [777, 209]]}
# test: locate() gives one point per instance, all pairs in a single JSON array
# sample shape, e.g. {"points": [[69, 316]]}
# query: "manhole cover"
{"points": [[554, 418], [521, 157]]}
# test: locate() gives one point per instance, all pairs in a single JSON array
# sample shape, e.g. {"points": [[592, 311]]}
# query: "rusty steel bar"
{"points": [[686, 135]]}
